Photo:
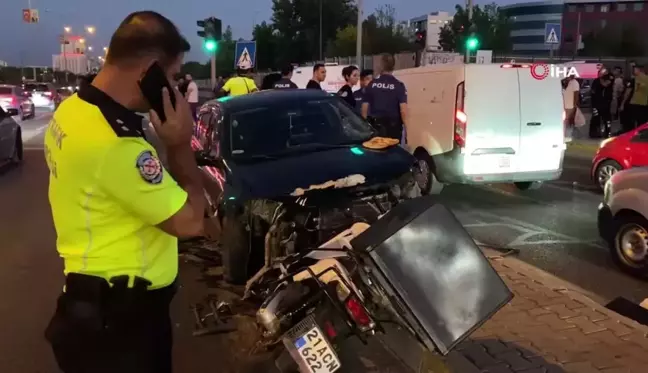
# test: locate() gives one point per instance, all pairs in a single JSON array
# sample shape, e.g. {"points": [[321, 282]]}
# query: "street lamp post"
{"points": [[67, 30], [359, 59], [320, 32]]}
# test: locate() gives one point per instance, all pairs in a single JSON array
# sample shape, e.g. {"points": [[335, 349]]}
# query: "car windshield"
{"points": [[297, 125], [6, 90], [37, 87]]}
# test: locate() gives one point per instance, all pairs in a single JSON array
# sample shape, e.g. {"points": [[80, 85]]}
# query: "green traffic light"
{"points": [[211, 45], [472, 43]]}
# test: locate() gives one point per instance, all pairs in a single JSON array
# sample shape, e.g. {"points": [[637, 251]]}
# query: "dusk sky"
{"points": [[34, 44]]}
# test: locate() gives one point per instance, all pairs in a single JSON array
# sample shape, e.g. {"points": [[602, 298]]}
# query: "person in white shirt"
{"points": [[617, 91], [192, 94], [571, 101]]}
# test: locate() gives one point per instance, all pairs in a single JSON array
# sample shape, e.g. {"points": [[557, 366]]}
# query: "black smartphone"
{"points": [[151, 86]]}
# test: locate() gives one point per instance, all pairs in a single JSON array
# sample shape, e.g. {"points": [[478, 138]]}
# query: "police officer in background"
{"points": [[351, 77], [285, 82], [116, 209], [385, 101], [366, 76]]}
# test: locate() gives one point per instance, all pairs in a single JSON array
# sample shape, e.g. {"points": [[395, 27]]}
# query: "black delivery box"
{"points": [[433, 272]]}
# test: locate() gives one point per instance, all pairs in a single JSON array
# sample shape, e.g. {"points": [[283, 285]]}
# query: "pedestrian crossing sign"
{"points": [[244, 61], [244, 58], [552, 33]]}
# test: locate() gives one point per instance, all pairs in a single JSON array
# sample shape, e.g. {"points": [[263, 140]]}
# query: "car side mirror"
{"points": [[12, 112], [205, 159]]}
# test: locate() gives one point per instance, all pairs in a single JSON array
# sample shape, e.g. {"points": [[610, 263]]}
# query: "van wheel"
{"points": [[527, 185], [236, 250], [629, 244]]}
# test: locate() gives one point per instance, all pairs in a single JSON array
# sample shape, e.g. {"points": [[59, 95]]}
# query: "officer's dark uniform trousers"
{"points": [[101, 329], [388, 127]]}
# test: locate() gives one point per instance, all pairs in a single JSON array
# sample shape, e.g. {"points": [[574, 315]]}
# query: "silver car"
{"points": [[11, 146]]}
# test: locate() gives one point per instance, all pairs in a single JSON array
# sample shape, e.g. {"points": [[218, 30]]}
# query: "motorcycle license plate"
{"points": [[316, 352]]}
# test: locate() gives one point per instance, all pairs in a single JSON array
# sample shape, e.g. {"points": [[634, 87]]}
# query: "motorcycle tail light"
{"points": [[358, 313], [330, 331]]}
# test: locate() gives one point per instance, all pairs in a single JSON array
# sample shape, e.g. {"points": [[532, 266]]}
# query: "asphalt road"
{"points": [[554, 228]]}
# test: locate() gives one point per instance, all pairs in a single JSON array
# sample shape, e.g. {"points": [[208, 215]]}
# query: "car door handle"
{"points": [[534, 123]]}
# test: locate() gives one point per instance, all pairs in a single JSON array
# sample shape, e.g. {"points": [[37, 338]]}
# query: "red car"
{"points": [[620, 153]]}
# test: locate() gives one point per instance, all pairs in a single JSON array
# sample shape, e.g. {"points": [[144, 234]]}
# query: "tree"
{"points": [[196, 69], [344, 43], [489, 25], [379, 35], [266, 52], [225, 54], [297, 26]]}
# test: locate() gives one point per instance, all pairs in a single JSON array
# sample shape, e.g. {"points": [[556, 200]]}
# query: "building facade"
{"points": [[432, 23], [582, 17], [528, 25], [73, 56]]}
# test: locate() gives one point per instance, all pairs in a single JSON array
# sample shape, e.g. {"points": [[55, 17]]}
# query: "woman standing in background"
{"points": [[351, 75]]}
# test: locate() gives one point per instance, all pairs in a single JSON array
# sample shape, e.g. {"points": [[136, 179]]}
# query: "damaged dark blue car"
{"points": [[288, 169]]}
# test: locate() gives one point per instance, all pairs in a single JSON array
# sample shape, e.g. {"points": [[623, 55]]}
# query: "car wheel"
{"points": [[604, 172], [33, 112], [235, 241], [22, 114], [17, 155], [424, 174], [629, 244]]}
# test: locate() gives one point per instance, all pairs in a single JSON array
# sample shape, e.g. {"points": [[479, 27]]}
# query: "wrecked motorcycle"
{"points": [[415, 280]]}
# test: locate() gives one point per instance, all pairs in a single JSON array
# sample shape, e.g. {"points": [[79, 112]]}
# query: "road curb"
{"points": [[563, 287]]}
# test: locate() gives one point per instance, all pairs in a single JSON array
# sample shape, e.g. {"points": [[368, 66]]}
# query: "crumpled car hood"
{"points": [[281, 177]]}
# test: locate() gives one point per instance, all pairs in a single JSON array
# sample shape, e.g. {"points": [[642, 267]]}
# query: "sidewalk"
{"points": [[550, 327]]}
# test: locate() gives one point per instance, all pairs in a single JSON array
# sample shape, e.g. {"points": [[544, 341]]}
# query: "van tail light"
{"points": [[358, 313], [460, 118], [48, 94]]}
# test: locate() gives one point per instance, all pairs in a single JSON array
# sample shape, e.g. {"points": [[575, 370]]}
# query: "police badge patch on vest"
{"points": [[149, 167]]}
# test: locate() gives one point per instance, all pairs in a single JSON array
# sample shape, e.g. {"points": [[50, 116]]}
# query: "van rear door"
{"points": [[542, 132], [492, 120]]}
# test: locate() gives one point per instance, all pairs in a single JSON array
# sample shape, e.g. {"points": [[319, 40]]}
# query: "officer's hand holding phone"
{"points": [[177, 129]]}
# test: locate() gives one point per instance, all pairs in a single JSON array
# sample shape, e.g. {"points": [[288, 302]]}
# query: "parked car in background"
{"points": [[43, 94], [11, 146], [13, 97], [618, 153], [622, 220]]}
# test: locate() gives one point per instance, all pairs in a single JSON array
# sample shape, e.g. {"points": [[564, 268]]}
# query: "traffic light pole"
{"points": [[359, 59], [469, 8], [213, 71]]}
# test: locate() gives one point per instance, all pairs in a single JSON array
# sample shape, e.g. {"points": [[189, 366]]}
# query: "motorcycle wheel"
{"points": [[236, 250]]}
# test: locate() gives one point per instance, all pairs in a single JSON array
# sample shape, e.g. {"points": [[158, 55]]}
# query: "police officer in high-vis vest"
{"points": [[116, 209], [384, 102]]}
